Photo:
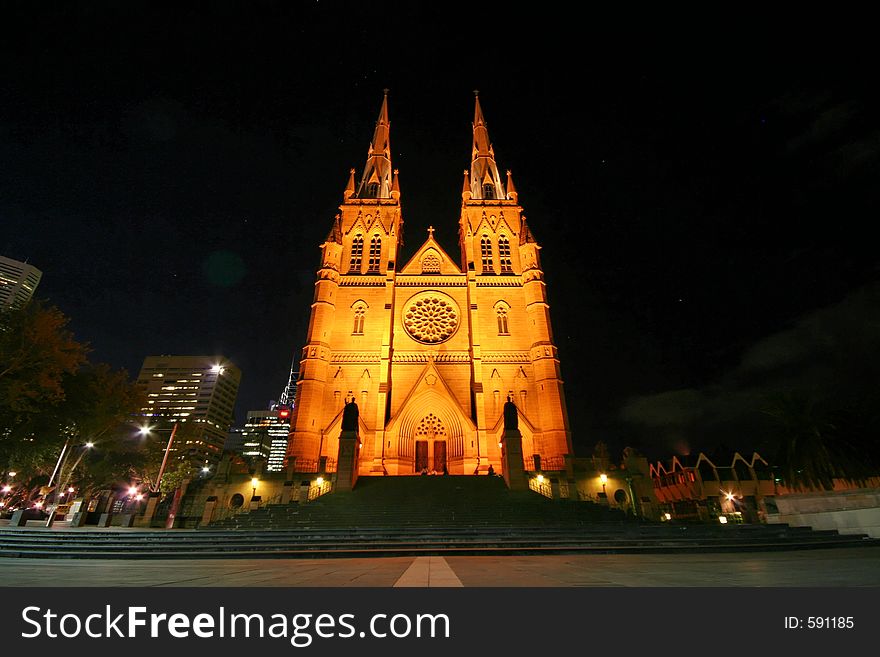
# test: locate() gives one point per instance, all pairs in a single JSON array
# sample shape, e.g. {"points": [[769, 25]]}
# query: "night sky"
{"points": [[172, 172]]}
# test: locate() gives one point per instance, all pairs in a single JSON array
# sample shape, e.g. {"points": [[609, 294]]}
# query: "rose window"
{"points": [[430, 427], [431, 317]]}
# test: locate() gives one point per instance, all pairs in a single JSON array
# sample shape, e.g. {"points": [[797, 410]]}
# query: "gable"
{"points": [[430, 259]]}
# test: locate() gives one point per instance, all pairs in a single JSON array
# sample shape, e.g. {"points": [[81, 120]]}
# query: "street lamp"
{"points": [[254, 482], [603, 478]]}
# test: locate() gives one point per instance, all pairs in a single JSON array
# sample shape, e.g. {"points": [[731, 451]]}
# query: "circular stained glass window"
{"points": [[431, 317]]}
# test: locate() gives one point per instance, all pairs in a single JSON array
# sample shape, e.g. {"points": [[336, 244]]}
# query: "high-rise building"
{"points": [[265, 437], [18, 282], [195, 392], [431, 349]]}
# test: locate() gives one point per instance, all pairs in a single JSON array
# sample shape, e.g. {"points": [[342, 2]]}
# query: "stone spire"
{"points": [[349, 188], [511, 189], [485, 181], [376, 181]]}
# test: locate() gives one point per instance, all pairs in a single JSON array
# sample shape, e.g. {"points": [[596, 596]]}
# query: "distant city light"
{"points": [[218, 369], [89, 445], [7, 488], [722, 520]]}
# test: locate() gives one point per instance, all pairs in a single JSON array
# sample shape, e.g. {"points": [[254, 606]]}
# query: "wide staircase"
{"points": [[417, 516]]}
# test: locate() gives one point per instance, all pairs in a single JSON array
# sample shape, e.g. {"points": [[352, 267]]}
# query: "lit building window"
{"points": [[504, 254], [489, 191], [375, 253], [359, 312], [502, 320], [357, 254], [486, 254]]}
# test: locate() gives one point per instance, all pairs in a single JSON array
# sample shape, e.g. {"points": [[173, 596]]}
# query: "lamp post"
{"points": [[59, 471], [254, 482], [144, 431], [603, 478]]}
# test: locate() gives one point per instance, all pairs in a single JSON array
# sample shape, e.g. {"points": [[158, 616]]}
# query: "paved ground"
{"points": [[839, 567]]}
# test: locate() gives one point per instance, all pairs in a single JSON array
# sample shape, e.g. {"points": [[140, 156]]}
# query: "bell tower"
{"points": [[354, 286], [508, 303]]}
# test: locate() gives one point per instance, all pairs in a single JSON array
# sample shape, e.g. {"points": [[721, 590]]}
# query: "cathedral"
{"points": [[430, 349]]}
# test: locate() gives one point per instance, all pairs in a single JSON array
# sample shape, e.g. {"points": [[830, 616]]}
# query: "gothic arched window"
{"points": [[486, 254], [501, 310], [504, 255], [375, 254], [373, 190], [489, 191], [360, 310], [357, 254]]}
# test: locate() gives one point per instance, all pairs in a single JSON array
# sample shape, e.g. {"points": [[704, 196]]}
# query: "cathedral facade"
{"points": [[430, 349]]}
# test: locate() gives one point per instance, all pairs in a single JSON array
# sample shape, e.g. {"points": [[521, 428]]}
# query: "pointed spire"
{"points": [[466, 187], [525, 235], [349, 188], [335, 234], [376, 181], [511, 189], [395, 186], [485, 181]]}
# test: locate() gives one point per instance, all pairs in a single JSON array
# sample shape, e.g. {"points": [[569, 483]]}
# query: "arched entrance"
{"points": [[430, 437], [431, 433]]}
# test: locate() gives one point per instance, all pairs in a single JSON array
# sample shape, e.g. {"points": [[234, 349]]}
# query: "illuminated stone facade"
{"points": [[430, 349]]}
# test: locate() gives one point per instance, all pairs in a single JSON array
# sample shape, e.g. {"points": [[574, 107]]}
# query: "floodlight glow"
{"points": [[7, 488], [603, 478], [320, 481], [722, 520], [90, 444], [540, 479]]}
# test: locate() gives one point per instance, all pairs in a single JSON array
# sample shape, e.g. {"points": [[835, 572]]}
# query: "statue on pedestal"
{"points": [[511, 417], [350, 416]]}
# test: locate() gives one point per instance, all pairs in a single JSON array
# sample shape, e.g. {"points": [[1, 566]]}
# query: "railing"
{"points": [[549, 464], [542, 488], [316, 491], [314, 465]]}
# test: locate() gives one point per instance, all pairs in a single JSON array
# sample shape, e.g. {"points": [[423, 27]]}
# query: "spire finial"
{"points": [[431, 232], [476, 92], [385, 91]]}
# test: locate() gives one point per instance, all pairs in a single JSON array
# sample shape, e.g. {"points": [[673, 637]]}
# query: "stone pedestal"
{"points": [[104, 520], [79, 518], [304, 491], [18, 519], [126, 520], [347, 461], [512, 460], [255, 503], [208, 511], [147, 519], [287, 492]]}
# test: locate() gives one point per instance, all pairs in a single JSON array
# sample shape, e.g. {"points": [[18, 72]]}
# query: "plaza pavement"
{"points": [[842, 567]]}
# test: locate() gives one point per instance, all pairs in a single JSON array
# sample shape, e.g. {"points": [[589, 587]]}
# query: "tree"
{"points": [[813, 449], [98, 405], [37, 351]]}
